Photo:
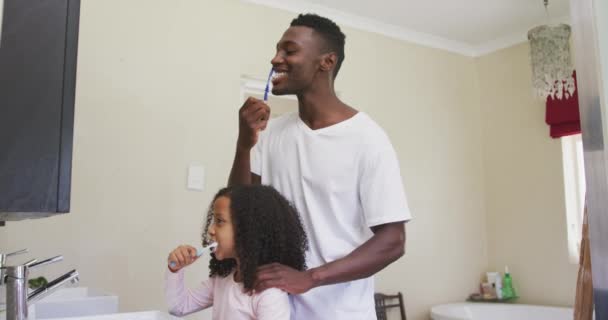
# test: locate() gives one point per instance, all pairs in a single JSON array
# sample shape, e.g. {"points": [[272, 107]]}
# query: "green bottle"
{"points": [[507, 286]]}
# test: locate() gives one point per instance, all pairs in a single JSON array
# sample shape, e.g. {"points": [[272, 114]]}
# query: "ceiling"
{"points": [[470, 27]]}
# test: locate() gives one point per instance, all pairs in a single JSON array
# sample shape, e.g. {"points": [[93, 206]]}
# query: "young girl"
{"points": [[253, 226]]}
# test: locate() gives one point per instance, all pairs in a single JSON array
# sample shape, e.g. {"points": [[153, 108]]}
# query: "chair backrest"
{"points": [[385, 301]]}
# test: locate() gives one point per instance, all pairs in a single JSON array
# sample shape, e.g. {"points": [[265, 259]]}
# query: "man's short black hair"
{"points": [[328, 30]]}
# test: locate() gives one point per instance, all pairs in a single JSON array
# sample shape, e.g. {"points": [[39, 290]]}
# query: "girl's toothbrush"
{"points": [[199, 252], [268, 84]]}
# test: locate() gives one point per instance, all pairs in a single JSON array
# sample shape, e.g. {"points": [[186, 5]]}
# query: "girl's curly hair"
{"points": [[267, 229]]}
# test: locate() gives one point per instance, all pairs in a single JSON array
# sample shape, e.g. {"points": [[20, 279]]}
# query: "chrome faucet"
{"points": [[16, 278], [3, 257]]}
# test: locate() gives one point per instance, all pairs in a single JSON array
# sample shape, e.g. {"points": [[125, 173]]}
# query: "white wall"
{"points": [[158, 89], [601, 22], [526, 219]]}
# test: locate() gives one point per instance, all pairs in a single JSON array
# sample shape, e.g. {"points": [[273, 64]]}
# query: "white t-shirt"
{"points": [[227, 298], [343, 179]]}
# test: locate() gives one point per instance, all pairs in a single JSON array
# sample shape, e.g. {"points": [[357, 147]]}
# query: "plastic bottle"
{"points": [[499, 287], [507, 287]]}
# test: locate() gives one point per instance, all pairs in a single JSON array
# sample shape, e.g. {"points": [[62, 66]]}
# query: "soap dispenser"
{"points": [[507, 286]]}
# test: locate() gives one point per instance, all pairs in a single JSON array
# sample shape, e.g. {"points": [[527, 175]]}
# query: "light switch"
{"points": [[196, 177]]}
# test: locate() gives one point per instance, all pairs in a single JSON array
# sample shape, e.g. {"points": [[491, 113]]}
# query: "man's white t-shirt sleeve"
{"points": [[381, 189], [272, 304]]}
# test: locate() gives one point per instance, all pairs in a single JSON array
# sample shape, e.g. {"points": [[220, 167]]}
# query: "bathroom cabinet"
{"points": [[38, 50]]}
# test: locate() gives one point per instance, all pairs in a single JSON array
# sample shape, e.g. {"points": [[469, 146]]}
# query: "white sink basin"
{"points": [[145, 315], [31, 312], [75, 302]]}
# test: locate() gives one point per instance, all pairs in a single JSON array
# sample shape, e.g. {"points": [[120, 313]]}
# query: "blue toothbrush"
{"points": [[268, 84]]}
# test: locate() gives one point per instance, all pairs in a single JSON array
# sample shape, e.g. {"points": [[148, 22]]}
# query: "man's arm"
{"points": [[253, 118], [241, 170], [384, 247]]}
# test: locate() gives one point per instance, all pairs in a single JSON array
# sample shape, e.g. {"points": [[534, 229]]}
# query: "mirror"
{"points": [[1, 17]]}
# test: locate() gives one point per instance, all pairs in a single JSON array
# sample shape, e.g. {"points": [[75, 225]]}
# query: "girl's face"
{"points": [[222, 229]]}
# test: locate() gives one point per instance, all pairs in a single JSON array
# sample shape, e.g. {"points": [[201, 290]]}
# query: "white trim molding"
{"points": [[370, 25], [401, 33], [518, 37]]}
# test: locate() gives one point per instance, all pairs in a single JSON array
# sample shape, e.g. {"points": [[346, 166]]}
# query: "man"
{"points": [[339, 169]]}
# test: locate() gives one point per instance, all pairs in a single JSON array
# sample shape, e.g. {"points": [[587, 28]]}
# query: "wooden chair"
{"points": [[384, 302]]}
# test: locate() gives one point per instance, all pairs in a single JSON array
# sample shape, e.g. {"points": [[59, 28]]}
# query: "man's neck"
{"points": [[322, 109]]}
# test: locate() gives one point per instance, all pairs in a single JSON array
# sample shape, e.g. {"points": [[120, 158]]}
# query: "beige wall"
{"points": [[526, 220], [158, 89]]}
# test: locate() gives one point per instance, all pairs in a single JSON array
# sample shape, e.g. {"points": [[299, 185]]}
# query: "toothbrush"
{"points": [[268, 84], [199, 252]]}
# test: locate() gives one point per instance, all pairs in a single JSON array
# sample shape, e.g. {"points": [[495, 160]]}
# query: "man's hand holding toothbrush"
{"points": [[253, 118]]}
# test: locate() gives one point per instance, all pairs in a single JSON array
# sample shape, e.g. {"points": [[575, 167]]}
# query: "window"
{"points": [[574, 183]]}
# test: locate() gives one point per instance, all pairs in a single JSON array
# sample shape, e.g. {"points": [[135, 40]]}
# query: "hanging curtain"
{"points": [[583, 303], [562, 115]]}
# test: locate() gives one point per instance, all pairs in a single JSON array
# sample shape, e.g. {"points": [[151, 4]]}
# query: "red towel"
{"points": [[564, 129], [563, 115]]}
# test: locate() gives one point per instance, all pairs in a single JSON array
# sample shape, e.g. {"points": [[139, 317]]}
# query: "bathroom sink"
{"points": [[145, 315], [75, 302]]}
